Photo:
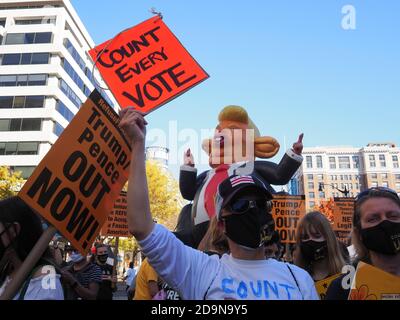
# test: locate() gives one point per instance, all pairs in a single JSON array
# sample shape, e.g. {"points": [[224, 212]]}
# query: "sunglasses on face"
{"points": [[243, 205], [378, 189]]}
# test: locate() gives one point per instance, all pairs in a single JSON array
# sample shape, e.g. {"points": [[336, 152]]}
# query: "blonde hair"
{"points": [[238, 114], [215, 238], [317, 221]]}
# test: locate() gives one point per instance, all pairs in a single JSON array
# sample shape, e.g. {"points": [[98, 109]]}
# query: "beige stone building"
{"points": [[338, 171]]}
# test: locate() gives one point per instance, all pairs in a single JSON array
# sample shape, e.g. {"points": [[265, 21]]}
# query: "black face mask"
{"points": [[102, 258], [314, 250], [383, 238], [250, 229]]}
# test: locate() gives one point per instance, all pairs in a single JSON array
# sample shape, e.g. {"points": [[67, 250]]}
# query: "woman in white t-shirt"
{"points": [[20, 229]]}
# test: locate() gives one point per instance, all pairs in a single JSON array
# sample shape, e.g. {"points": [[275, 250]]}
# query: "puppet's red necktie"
{"points": [[221, 173]]}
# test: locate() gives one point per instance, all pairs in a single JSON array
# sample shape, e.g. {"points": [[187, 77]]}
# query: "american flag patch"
{"points": [[241, 179]]}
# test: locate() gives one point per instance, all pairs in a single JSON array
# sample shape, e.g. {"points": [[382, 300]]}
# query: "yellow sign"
{"points": [[371, 283], [323, 285]]}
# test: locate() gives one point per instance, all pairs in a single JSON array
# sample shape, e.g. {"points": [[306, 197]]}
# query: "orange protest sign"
{"points": [[146, 66], [116, 224], [343, 210], [287, 211], [323, 285], [75, 185], [371, 283]]}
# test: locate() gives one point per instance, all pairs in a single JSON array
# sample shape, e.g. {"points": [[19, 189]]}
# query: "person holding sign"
{"points": [[243, 208], [20, 229], [317, 249], [376, 235]]}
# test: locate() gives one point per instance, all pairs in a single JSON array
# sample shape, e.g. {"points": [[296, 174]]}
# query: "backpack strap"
{"points": [[295, 280]]}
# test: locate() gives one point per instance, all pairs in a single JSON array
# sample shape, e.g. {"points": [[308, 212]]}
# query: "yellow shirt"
{"points": [[145, 275]]}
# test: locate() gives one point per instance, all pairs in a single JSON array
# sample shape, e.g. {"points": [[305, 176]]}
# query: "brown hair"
{"points": [[317, 221], [361, 251], [214, 239]]}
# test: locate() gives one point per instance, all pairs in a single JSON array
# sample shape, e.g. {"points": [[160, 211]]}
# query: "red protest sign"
{"points": [[76, 184], [146, 66]]}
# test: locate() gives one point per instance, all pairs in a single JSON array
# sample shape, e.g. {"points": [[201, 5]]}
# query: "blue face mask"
{"points": [[76, 257]]}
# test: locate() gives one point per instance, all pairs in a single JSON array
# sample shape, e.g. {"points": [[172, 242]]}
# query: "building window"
{"points": [[395, 160], [20, 148], [310, 177], [374, 184], [385, 184], [26, 171], [382, 160], [70, 94], [357, 186], [320, 177], [311, 195], [2, 22], [20, 102], [397, 176], [397, 186], [312, 204], [319, 162], [374, 176], [75, 55], [311, 185], [356, 162], [75, 77], [309, 161], [29, 38], [384, 175], [58, 129], [25, 58], [64, 111], [344, 163], [42, 20], [322, 194], [25, 124], [332, 162], [23, 80], [346, 177], [372, 163]]}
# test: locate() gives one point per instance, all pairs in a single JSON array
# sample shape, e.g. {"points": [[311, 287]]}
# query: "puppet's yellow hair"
{"points": [[239, 114]]}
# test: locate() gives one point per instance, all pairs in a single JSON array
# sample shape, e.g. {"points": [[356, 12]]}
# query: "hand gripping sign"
{"points": [[146, 66], [76, 184]]}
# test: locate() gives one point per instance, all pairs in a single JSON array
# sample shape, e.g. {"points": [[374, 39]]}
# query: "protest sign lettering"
{"points": [[75, 185], [146, 66], [371, 283], [117, 224], [343, 210], [287, 211]]}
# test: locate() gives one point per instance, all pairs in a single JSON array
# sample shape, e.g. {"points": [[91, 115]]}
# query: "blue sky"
{"points": [[289, 63]]}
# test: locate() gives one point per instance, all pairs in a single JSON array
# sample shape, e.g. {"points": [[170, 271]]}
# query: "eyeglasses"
{"points": [[242, 205], [378, 189]]}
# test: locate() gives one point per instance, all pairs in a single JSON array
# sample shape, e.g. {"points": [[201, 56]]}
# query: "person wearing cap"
{"points": [[243, 209]]}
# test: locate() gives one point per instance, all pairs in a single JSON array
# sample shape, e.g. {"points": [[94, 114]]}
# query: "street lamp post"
{"points": [[345, 191]]}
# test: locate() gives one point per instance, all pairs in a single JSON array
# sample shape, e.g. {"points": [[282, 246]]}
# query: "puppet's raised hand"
{"points": [[298, 146], [188, 158]]}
